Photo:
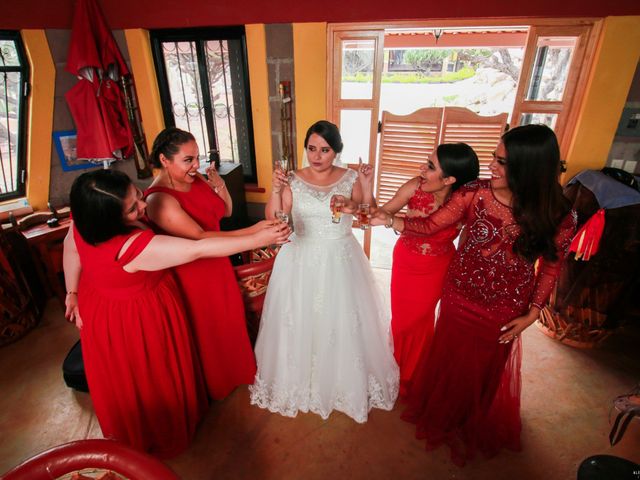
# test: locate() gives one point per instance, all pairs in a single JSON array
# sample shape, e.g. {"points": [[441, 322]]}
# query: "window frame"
{"points": [[25, 71], [197, 35]]}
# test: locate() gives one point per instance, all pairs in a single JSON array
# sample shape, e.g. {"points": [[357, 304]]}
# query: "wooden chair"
{"points": [[253, 278]]}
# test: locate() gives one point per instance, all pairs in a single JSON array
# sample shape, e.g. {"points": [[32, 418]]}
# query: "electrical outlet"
{"points": [[630, 166], [617, 163]]}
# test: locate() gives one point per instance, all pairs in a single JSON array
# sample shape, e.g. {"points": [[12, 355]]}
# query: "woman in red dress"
{"points": [[182, 203], [141, 365], [420, 262], [466, 390]]}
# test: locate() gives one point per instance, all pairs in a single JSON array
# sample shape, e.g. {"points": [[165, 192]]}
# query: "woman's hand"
{"points": [[72, 313], [365, 176], [273, 231], [348, 205], [515, 327], [379, 217], [278, 181], [214, 179]]}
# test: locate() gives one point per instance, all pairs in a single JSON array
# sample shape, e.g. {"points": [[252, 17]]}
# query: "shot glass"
{"points": [[363, 216], [336, 212]]}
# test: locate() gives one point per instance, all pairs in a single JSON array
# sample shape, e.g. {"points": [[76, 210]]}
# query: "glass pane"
{"points": [[8, 54], [226, 83], [9, 129], [357, 69], [355, 129], [181, 64], [548, 119], [551, 68]]}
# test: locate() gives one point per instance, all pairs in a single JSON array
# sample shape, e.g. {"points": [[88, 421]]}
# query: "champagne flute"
{"points": [[282, 216]]}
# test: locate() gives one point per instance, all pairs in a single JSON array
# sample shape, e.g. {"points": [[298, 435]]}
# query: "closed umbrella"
{"points": [[96, 101]]}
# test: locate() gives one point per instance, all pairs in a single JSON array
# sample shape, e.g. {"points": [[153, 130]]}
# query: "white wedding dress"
{"points": [[324, 341]]}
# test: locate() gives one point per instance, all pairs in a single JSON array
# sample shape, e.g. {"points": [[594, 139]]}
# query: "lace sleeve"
{"points": [[449, 214], [548, 271]]}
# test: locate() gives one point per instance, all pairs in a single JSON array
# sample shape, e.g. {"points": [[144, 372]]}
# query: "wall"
{"points": [[607, 88], [151, 14], [625, 151], [60, 181]]}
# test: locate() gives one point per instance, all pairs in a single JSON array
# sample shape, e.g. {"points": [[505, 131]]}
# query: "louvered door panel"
{"points": [[405, 144], [481, 133]]}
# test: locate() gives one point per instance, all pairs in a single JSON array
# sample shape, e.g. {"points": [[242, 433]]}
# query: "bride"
{"points": [[324, 341]]}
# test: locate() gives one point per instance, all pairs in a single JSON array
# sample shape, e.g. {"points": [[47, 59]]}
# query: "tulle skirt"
{"points": [[465, 392], [324, 342]]}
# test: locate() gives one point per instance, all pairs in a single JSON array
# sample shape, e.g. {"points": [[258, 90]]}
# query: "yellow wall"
{"points": [[144, 74], [310, 72], [615, 62], [259, 85], [40, 117]]}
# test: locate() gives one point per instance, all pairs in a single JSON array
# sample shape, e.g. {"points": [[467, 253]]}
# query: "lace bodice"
{"points": [[420, 205], [311, 212], [485, 268]]}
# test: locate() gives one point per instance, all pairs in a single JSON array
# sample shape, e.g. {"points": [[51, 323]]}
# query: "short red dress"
{"points": [[419, 266], [139, 357], [465, 392], [213, 300]]}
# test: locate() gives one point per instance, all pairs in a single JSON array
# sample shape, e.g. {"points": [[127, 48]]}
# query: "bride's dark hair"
{"points": [[328, 131]]}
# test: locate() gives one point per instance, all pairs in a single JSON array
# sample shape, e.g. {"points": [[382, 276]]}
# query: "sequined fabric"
{"points": [[420, 205]]}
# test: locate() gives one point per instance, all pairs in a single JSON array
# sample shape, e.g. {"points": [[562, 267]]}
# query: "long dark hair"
{"points": [[533, 167], [458, 160], [96, 200], [328, 131], [168, 144]]}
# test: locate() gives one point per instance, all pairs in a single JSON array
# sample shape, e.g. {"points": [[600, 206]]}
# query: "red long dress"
{"points": [[466, 391], [213, 300], [419, 265], [139, 357]]}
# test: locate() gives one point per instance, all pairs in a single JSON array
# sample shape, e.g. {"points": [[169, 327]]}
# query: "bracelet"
{"points": [[71, 292], [537, 305], [219, 187], [277, 192], [389, 224]]}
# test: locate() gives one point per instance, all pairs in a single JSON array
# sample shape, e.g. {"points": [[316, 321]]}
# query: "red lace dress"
{"points": [[466, 390], [213, 300], [419, 265], [139, 357]]}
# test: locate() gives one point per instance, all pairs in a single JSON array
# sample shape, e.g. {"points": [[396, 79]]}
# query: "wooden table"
{"points": [[46, 242]]}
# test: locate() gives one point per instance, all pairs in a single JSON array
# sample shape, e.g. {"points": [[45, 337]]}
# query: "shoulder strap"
{"points": [[136, 246]]}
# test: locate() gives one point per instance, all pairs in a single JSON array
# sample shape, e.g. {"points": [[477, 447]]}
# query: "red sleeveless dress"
{"points": [[465, 392], [419, 266], [140, 360], [213, 300]]}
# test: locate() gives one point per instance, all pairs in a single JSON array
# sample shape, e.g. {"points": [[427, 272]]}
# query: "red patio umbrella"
{"points": [[96, 101]]}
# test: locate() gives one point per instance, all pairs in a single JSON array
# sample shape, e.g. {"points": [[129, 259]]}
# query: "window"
{"points": [[204, 87], [14, 74]]}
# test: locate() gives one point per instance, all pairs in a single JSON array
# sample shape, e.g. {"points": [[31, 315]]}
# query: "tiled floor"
{"points": [[567, 396]]}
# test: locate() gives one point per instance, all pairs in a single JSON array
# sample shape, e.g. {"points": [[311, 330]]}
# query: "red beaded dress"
{"points": [[419, 266], [466, 391], [213, 300], [139, 357]]}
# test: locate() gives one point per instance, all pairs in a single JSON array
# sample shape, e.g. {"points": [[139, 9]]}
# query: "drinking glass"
{"points": [[283, 164], [336, 212], [363, 216], [282, 216]]}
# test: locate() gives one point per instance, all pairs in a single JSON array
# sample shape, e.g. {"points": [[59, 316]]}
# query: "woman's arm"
{"points": [[451, 213], [401, 197], [281, 198], [166, 252], [218, 186], [548, 272], [72, 270]]}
